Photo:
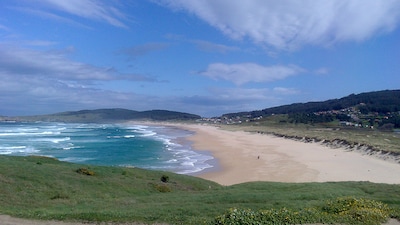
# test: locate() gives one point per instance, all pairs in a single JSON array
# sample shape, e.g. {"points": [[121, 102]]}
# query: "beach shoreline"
{"points": [[246, 157]]}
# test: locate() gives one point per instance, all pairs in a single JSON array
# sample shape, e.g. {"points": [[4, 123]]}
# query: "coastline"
{"points": [[245, 157]]}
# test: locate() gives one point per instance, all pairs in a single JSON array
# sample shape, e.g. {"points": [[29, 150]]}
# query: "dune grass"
{"points": [[382, 140], [47, 189]]}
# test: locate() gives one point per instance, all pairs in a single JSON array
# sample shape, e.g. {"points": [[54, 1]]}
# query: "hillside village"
{"points": [[349, 117]]}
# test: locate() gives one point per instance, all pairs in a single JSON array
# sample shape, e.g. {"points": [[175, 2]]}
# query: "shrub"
{"points": [[162, 188], [346, 210], [361, 211], [85, 171], [238, 216], [164, 178]]}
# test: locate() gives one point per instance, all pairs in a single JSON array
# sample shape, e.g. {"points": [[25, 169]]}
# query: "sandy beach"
{"points": [[245, 157]]}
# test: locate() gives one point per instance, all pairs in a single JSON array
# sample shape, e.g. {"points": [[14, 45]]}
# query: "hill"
{"points": [[110, 115], [366, 109], [379, 101]]}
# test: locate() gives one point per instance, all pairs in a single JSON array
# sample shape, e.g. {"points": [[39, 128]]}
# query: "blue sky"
{"points": [[206, 57]]}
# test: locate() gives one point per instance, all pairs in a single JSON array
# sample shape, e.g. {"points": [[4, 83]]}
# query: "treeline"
{"points": [[378, 101], [386, 122], [392, 121], [310, 118]]}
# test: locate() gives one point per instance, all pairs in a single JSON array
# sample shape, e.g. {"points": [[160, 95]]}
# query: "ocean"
{"points": [[150, 147]]}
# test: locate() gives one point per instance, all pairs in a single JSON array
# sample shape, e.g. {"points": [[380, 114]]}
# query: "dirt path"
{"points": [[8, 220]]}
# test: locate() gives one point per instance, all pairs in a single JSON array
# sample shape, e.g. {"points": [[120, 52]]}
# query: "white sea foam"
{"points": [[53, 140], [76, 159], [147, 133], [110, 137], [184, 159], [8, 150], [70, 146], [29, 133]]}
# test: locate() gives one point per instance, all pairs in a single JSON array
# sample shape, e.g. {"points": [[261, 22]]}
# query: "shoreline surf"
{"points": [[226, 157], [131, 145]]}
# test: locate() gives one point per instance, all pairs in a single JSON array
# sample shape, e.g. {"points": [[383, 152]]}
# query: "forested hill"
{"points": [[111, 115], [378, 101]]}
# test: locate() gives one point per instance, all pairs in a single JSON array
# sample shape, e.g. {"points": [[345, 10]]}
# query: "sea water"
{"points": [[148, 147]]}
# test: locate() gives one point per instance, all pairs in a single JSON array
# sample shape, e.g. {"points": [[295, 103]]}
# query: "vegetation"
{"points": [[47, 189], [378, 101], [367, 110], [85, 171], [375, 139], [343, 210]]}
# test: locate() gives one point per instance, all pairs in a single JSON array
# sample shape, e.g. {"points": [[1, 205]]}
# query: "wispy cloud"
{"points": [[203, 45], [102, 11], [227, 100], [18, 61], [291, 24], [50, 16], [321, 71], [285, 91], [37, 95], [144, 49], [249, 72], [213, 47]]}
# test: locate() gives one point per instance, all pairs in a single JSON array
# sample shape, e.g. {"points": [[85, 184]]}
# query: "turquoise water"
{"points": [[148, 147]]}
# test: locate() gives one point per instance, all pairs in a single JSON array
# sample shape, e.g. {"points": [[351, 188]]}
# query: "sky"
{"points": [[206, 57]]}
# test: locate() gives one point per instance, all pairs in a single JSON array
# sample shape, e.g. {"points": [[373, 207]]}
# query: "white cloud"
{"points": [[55, 65], [285, 91], [103, 11], [30, 95], [249, 72], [213, 47], [290, 24], [228, 100], [322, 71], [91, 9], [49, 16], [19, 61]]}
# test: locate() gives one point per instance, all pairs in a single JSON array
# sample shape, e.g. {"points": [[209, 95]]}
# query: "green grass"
{"points": [[47, 189]]}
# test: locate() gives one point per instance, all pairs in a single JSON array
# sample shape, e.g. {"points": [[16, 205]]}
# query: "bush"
{"points": [[85, 171], [164, 178], [341, 210], [162, 188], [269, 217], [358, 211]]}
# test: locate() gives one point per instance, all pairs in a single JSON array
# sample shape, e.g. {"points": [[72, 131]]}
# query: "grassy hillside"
{"points": [[44, 188]]}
